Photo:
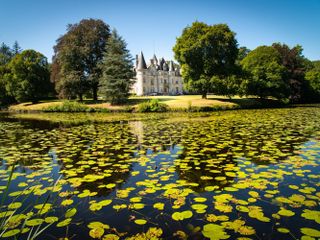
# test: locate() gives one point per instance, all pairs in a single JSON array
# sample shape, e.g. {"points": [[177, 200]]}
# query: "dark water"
{"points": [[241, 174]]}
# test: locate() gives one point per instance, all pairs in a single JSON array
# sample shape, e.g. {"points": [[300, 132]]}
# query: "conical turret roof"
{"points": [[141, 62]]}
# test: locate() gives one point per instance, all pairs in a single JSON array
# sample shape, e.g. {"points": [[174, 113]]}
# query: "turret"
{"points": [[141, 62], [140, 70]]}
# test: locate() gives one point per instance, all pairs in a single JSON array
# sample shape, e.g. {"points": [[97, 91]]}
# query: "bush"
{"points": [[69, 106], [152, 106]]}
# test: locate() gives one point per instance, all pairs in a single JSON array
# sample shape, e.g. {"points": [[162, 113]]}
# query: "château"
{"points": [[160, 77]]}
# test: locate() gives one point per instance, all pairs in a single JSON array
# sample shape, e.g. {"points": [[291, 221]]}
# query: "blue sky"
{"points": [[152, 26]]}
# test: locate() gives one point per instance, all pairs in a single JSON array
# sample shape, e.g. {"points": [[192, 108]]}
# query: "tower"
{"points": [[141, 71]]}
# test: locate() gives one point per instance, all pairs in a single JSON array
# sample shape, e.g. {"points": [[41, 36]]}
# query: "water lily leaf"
{"points": [[283, 200], [179, 216], [140, 221], [286, 213], [311, 215], [135, 199], [304, 237], [10, 233], [14, 205], [64, 223], [200, 199], [159, 206], [110, 236], [253, 194], [242, 208], [70, 213], [110, 185], [96, 232], [283, 230], [214, 232], [66, 202], [51, 219], [310, 232], [137, 206], [211, 188], [198, 206], [246, 230], [93, 225], [34, 222]]}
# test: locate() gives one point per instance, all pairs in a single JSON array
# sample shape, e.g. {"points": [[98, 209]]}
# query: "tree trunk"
{"points": [[204, 95], [95, 93], [80, 97]]}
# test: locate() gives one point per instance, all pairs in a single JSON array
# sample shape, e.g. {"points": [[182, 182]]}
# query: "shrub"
{"points": [[69, 106], [152, 106]]}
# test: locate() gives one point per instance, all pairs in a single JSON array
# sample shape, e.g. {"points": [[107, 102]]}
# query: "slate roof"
{"points": [[141, 62]]}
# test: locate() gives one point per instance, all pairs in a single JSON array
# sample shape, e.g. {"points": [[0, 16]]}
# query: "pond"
{"points": [[247, 174]]}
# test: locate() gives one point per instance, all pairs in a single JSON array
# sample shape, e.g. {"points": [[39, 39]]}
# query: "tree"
{"points": [[28, 79], [5, 57], [117, 70], [313, 79], [205, 52], [294, 63], [5, 54], [16, 49], [265, 73], [243, 52], [77, 55]]}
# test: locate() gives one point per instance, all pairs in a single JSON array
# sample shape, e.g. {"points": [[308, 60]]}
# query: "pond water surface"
{"points": [[250, 174]]}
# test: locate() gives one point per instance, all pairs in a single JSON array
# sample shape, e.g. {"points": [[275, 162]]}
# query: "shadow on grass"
{"points": [[253, 102]]}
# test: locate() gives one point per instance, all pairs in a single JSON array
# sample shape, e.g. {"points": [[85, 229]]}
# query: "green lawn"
{"points": [[174, 102]]}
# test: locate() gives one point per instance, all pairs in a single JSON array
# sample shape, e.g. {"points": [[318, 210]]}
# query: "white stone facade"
{"points": [[158, 77]]}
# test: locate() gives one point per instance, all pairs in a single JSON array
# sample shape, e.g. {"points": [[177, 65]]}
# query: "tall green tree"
{"points": [[117, 70], [206, 53], [77, 55], [265, 73], [294, 63], [29, 77], [16, 49], [5, 54], [5, 57]]}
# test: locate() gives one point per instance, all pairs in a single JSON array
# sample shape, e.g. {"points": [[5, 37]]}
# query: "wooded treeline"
{"points": [[90, 60]]}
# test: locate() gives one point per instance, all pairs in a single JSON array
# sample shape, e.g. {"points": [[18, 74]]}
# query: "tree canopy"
{"points": [[294, 63], [313, 79], [265, 73], [76, 59], [28, 78], [117, 70], [205, 53]]}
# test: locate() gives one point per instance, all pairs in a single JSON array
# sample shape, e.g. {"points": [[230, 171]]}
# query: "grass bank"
{"points": [[192, 103]]}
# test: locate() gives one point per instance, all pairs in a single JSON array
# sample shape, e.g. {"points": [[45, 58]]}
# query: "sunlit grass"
{"points": [[173, 102]]}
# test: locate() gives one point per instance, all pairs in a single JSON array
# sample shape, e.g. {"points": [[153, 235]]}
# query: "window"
{"points": [[177, 82], [144, 81], [165, 81], [151, 82]]}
